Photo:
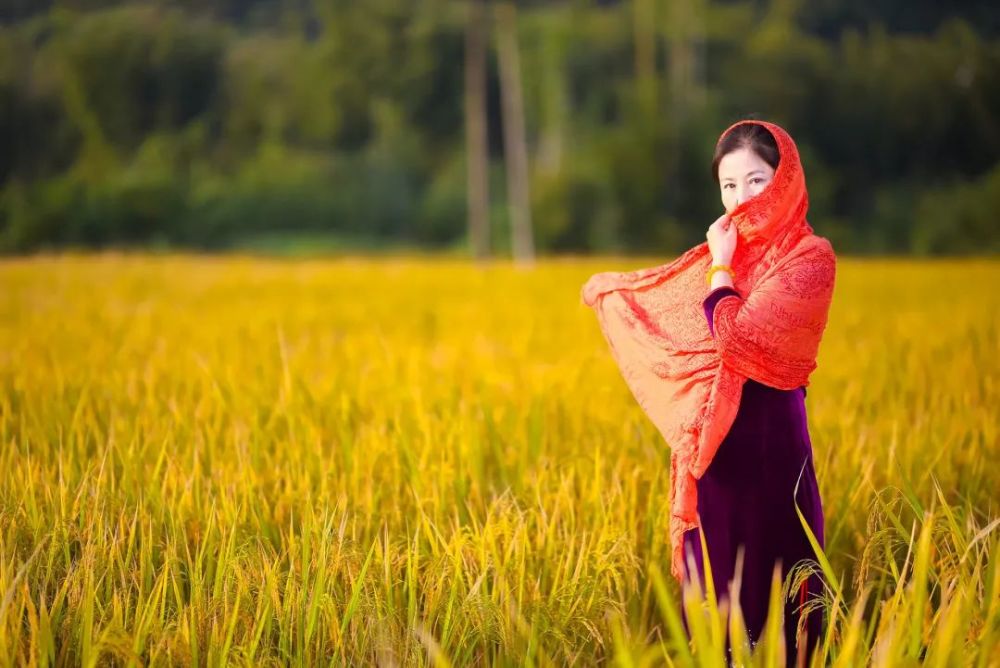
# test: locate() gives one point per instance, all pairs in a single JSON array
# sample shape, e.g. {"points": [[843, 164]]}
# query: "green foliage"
{"points": [[962, 216], [127, 122]]}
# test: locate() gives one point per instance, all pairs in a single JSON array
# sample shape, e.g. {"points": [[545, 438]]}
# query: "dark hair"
{"points": [[755, 137]]}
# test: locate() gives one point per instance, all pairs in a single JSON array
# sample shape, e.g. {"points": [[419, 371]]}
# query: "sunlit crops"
{"points": [[406, 461]]}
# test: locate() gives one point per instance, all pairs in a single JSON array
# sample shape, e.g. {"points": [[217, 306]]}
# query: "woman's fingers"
{"points": [[722, 222]]}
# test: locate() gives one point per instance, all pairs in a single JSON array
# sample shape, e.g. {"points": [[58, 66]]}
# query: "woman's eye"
{"points": [[728, 185], [756, 179]]}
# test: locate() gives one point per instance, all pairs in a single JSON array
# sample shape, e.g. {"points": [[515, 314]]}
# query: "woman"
{"points": [[717, 347]]}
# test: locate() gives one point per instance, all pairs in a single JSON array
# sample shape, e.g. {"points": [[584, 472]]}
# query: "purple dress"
{"points": [[745, 497]]}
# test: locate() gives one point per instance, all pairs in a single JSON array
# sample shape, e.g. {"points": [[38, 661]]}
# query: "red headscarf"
{"points": [[686, 380]]}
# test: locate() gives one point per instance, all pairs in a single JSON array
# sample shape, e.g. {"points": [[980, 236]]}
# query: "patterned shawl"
{"points": [[687, 381]]}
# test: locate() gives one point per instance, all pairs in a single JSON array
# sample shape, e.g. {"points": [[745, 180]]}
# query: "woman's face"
{"points": [[742, 175]]}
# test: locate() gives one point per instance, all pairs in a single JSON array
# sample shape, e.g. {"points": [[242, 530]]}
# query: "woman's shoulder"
{"points": [[813, 247]]}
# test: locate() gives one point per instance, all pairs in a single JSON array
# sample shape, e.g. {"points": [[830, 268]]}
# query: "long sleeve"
{"points": [[712, 299]]}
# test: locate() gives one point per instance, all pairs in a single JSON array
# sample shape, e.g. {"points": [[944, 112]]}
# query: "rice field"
{"points": [[403, 461]]}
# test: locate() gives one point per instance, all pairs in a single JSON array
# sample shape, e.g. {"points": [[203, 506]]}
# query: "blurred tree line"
{"points": [[205, 123]]}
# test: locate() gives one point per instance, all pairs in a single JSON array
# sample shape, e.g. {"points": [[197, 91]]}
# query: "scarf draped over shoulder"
{"points": [[688, 381]]}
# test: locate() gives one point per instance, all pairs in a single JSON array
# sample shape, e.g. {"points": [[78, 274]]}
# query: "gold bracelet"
{"points": [[719, 267]]}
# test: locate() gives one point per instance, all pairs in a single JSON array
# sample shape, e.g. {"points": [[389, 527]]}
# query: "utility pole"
{"points": [[477, 149], [515, 142]]}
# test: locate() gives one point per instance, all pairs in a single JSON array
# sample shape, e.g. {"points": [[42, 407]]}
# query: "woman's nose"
{"points": [[741, 194]]}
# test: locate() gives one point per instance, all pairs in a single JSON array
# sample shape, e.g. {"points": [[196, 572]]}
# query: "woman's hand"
{"points": [[722, 237]]}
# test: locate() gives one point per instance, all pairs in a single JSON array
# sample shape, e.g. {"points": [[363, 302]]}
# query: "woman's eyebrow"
{"points": [[755, 171]]}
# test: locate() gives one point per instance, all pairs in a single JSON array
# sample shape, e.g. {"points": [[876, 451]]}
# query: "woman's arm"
{"points": [[721, 278], [712, 299], [722, 240]]}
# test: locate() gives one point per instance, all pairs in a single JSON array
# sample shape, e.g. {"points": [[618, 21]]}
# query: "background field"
{"points": [[407, 460]]}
